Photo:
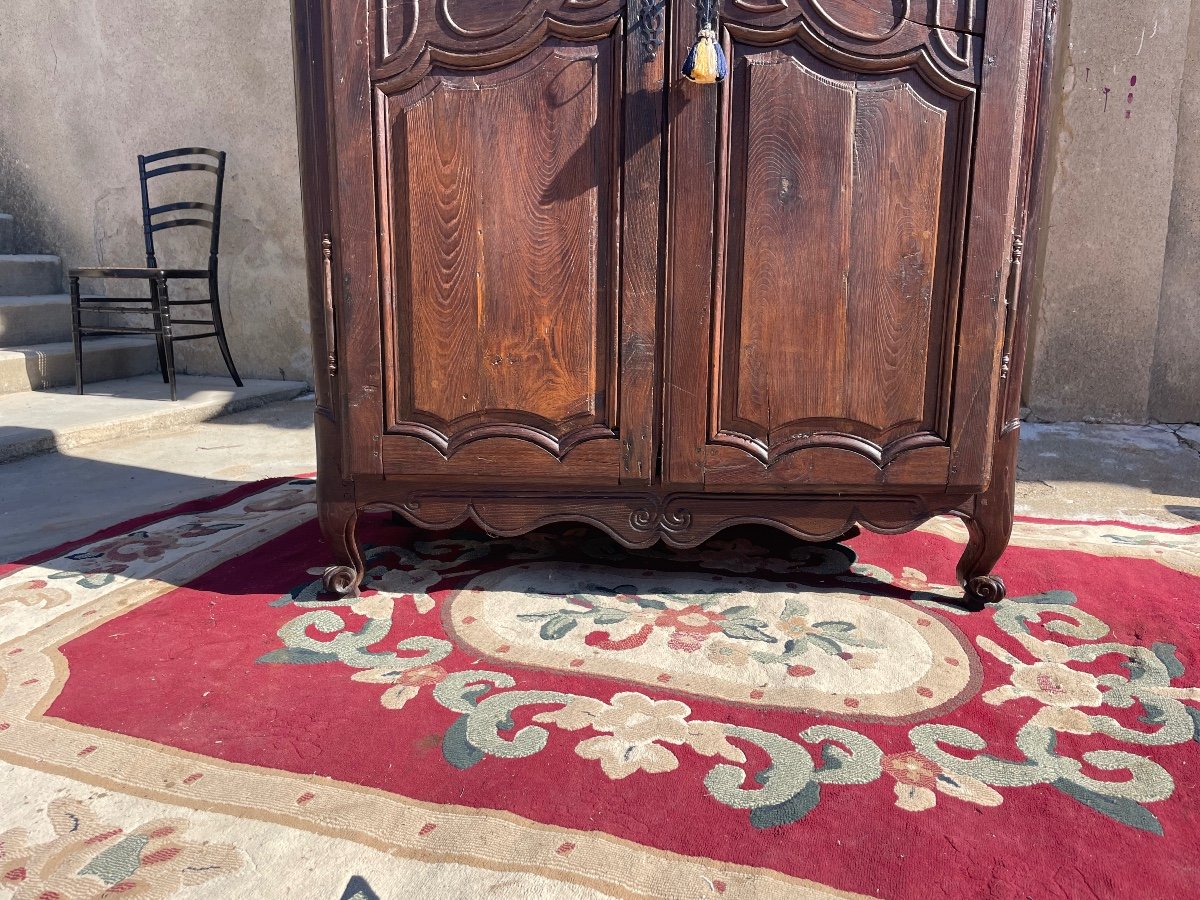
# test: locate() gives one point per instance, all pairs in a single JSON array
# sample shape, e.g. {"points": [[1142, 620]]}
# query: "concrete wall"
{"points": [[1117, 328], [85, 85], [88, 84], [1175, 376]]}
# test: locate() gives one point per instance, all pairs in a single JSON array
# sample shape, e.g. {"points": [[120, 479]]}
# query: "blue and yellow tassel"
{"points": [[706, 62]]}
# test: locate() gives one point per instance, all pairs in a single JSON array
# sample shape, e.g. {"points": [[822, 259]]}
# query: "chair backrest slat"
{"points": [[177, 223], [181, 167], [185, 204], [151, 221], [181, 151]]}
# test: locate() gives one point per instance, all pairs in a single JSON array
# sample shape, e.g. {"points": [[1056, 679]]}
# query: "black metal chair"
{"points": [[155, 219]]}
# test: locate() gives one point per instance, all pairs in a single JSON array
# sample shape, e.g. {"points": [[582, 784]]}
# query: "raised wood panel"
{"points": [[501, 318], [939, 36], [845, 202], [410, 36], [897, 317], [787, 293], [865, 20], [472, 19]]}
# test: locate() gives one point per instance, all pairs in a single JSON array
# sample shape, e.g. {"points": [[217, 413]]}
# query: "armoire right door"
{"points": [[840, 233]]}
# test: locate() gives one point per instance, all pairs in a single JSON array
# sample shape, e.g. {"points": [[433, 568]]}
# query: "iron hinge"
{"points": [[1010, 304], [330, 321]]}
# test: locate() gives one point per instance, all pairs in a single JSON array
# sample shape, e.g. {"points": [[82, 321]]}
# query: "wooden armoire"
{"points": [[553, 280]]}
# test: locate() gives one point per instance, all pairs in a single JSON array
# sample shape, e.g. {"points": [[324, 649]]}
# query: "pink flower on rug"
{"points": [[917, 778], [1050, 680], [692, 625], [405, 684], [140, 545], [35, 593], [912, 768]]}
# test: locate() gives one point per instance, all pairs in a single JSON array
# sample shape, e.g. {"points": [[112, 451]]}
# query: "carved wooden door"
{"points": [[840, 323], [497, 221]]}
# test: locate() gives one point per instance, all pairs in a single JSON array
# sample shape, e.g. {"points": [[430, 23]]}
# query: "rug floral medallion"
{"points": [[551, 713]]}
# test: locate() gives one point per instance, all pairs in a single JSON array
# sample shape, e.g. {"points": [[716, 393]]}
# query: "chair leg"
{"points": [[76, 336], [158, 338], [219, 327], [165, 327]]}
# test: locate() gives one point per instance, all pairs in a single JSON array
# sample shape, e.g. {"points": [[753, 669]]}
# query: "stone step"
{"points": [[37, 319], [36, 367], [61, 420], [26, 275], [6, 234]]}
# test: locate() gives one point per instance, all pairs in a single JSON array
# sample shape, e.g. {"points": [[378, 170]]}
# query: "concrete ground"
{"points": [[1149, 474], [57, 497], [1144, 474]]}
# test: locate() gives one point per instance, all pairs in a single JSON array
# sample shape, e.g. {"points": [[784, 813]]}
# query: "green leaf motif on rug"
{"points": [[1119, 809], [297, 656], [116, 863], [457, 750], [789, 811]]}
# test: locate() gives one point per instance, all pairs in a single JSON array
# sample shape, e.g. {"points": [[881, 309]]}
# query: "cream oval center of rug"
{"points": [[739, 640]]}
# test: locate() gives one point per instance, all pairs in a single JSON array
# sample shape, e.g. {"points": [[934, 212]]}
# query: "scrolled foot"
{"points": [[986, 588], [341, 580]]}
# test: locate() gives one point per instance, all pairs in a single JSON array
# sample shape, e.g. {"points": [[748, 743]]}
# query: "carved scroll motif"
{"points": [[413, 35], [660, 516]]}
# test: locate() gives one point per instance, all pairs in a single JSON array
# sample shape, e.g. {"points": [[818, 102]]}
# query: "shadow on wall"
{"points": [[38, 229]]}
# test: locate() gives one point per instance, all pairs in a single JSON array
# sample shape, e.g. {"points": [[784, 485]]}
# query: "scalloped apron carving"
{"points": [[740, 640]]}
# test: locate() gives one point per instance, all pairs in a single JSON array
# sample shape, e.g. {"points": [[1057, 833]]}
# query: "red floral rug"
{"points": [[184, 712]]}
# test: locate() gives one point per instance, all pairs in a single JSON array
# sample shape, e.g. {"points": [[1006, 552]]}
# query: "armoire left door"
{"points": [[496, 239]]}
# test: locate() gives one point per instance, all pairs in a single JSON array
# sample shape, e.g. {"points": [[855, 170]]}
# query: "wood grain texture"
{"points": [[642, 246], [643, 518], [837, 285], [691, 229], [792, 177], [438, 310], [898, 185], [412, 36], [355, 231], [503, 299]]}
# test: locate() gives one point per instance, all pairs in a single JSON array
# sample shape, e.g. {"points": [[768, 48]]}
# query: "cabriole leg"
{"points": [[989, 538], [338, 521], [990, 527]]}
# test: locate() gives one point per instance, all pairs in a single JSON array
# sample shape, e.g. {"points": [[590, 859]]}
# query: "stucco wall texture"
{"points": [[1117, 309], [88, 84]]}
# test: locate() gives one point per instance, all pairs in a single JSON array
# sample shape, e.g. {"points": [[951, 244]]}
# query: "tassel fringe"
{"points": [[706, 63]]}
